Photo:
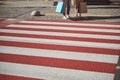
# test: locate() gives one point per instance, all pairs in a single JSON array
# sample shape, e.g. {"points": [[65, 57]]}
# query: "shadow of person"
{"points": [[94, 18]]}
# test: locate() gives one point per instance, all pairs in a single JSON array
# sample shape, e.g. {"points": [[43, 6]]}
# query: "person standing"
{"points": [[66, 10], [77, 6]]}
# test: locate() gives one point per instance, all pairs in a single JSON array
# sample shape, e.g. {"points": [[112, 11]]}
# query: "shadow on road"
{"points": [[94, 18]]}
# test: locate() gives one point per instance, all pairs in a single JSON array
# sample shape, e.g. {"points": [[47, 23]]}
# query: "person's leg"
{"points": [[64, 10], [77, 8], [79, 13], [68, 7]]}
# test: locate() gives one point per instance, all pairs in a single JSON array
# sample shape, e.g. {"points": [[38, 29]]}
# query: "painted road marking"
{"points": [[59, 50]]}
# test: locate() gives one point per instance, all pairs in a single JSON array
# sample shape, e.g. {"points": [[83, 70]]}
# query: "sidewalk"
{"points": [[22, 10], [26, 3]]}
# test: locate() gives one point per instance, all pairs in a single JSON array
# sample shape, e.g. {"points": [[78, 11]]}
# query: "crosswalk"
{"points": [[59, 50]]}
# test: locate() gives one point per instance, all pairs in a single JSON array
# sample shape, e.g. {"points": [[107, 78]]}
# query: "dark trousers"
{"points": [[66, 7]]}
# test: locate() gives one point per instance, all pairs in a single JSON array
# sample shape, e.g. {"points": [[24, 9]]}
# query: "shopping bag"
{"points": [[83, 7], [59, 7]]}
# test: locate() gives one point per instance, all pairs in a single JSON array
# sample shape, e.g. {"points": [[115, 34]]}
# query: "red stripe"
{"points": [[2, 20], [62, 25], [60, 63], [3, 25], [11, 77], [61, 38], [90, 22], [65, 31], [9, 21], [61, 47]]}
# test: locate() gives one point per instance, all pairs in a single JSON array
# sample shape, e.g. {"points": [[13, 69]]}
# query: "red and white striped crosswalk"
{"points": [[59, 50]]}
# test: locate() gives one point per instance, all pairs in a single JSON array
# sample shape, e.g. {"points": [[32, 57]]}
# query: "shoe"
{"points": [[67, 16], [64, 17]]}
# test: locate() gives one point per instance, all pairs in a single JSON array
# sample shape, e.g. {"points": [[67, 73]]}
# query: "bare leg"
{"points": [[76, 13], [79, 14]]}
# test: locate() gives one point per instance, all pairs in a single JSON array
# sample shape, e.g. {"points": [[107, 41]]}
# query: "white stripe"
{"points": [[62, 34], [60, 54], [51, 73], [64, 28], [118, 67], [11, 19], [68, 23], [62, 42]]}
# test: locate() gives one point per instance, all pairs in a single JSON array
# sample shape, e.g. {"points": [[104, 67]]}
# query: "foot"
{"points": [[64, 17], [78, 15], [67, 16]]}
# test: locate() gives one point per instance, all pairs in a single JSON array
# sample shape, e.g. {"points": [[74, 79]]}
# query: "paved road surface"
{"points": [[21, 9], [58, 50]]}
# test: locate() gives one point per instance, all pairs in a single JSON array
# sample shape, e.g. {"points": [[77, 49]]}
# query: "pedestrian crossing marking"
{"points": [[118, 67], [60, 54], [59, 50]]}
